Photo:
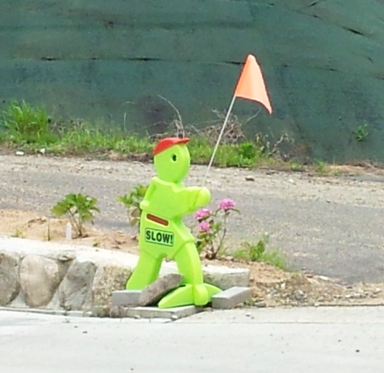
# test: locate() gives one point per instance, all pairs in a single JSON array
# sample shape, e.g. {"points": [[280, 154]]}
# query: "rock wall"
{"points": [[322, 61], [37, 275], [53, 276]]}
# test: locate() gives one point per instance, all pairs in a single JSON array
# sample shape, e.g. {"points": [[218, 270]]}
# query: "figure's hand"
{"points": [[203, 197]]}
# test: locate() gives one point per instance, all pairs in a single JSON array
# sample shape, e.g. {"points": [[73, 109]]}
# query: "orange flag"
{"points": [[251, 84]]}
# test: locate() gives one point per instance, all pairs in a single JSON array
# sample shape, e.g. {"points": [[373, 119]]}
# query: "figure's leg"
{"points": [[146, 271], [194, 291]]}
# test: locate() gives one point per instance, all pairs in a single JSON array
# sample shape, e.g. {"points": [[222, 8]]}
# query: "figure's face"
{"points": [[172, 165]]}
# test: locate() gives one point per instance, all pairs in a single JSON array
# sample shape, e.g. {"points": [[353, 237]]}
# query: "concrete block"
{"points": [[158, 313], [222, 277], [75, 314], [126, 298], [231, 298]]}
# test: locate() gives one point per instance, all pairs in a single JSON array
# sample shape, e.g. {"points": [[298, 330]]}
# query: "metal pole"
{"points": [[219, 139]]}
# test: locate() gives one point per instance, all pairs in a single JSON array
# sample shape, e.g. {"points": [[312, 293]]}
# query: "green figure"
{"points": [[162, 231]]}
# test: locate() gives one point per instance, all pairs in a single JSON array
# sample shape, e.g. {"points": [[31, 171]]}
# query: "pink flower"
{"points": [[226, 204], [203, 213], [204, 226]]}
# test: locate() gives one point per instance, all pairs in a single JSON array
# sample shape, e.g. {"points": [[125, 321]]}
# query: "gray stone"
{"points": [[101, 311], [9, 278], [19, 301], [66, 256], [125, 298], [155, 291], [158, 313], [226, 278], [231, 298], [260, 304], [39, 279], [54, 304], [75, 291], [108, 278], [116, 312]]}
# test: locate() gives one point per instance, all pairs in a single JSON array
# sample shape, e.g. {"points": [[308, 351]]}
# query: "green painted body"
{"points": [[163, 233]]}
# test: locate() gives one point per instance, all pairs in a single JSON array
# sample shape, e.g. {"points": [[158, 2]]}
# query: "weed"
{"points": [[18, 233], [80, 138], [336, 172], [361, 132], [247, 150], [28, 124], [47, 236], [257, 252], [296, 167], [78, 208], [321, 167], [30, 129], [132, 202]]}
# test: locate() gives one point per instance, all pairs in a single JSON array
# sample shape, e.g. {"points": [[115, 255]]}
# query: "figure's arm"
{"points": [[148, 196], [196, 197]]}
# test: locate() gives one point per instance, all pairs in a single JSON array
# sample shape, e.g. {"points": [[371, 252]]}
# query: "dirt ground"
{"points": [[270, 286]]}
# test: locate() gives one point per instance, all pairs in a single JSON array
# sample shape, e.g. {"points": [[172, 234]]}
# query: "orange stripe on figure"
{"points": [[156, 219]]}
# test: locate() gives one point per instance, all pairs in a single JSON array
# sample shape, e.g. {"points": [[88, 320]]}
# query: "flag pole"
{"points": [[219, 138]]}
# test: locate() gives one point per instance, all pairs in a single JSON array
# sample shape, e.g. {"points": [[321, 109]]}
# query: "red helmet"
{"points": [[166, 143]]}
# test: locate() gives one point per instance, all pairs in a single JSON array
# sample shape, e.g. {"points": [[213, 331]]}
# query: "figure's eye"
{"points": [[174, 158]]}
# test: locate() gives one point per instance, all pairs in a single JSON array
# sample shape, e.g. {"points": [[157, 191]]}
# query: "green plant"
{"points": [[321, 167], [247, 150], [27, 123], [257, 252], [296, 167], [47, 236], [361, 132], [212, 228], [31, 129], [228, 155], [18, 233], [78, 138], [132, 202], [79, 208]]}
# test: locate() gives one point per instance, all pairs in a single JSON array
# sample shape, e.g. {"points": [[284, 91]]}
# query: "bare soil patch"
{"points": [[270, 286]]}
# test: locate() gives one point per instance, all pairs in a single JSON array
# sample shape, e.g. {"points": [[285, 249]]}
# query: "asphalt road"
{"points": [[325, 225], [331, 340]]}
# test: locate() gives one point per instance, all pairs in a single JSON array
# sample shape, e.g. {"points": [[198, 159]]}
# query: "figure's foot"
{"points": [[198, 295]]}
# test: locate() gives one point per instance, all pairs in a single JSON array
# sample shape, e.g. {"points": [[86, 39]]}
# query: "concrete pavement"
{"points": [[256, 340]]}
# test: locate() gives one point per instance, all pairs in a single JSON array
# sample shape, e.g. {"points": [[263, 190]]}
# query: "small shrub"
{"points": [[321, 167], [18, 233], [132, 202], [361, 132], [212, 228], [257, 252], [296, 167], [79, 208], [247, 150]]}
